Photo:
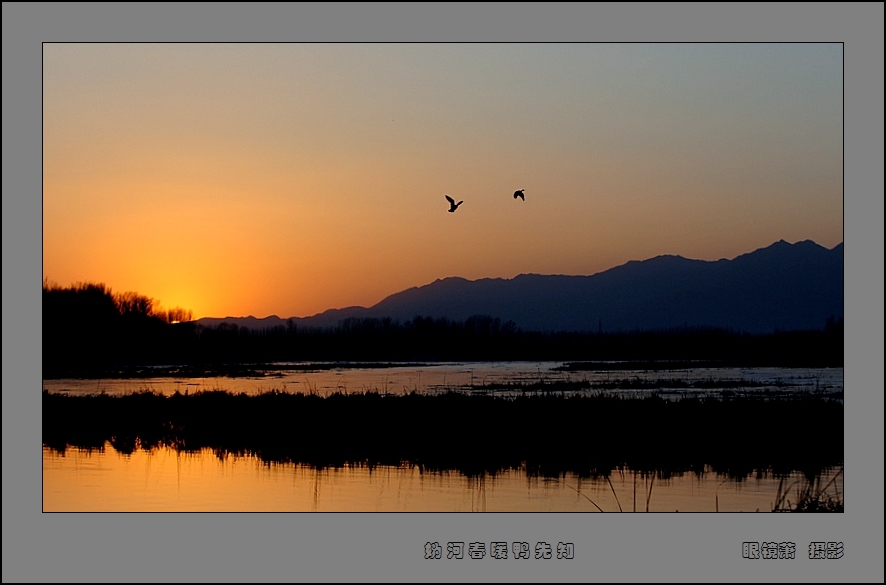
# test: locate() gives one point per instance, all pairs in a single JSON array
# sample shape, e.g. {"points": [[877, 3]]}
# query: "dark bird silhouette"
{"points": [[452, 204], [519, 194]]}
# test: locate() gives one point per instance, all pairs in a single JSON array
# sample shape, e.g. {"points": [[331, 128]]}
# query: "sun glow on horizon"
{"points": [[289, 179]]}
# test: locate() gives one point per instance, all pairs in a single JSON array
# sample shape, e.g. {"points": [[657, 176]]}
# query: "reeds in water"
{"points": [[548, 435], [810, 495]]}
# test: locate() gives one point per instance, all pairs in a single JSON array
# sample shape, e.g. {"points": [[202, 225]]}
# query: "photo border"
{"points": [[389, 547]]}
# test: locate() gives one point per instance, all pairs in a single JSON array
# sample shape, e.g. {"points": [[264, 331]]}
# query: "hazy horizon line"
{"points": [[349, 307]]}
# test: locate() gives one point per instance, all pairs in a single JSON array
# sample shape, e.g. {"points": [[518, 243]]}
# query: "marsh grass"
{"points": [[672, 388], [545, 434], [649, 478], [810, 495], [582, 494]]}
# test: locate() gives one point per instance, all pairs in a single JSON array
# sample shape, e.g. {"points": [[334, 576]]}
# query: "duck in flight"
{"points": [[452, 204], [519, 194]]}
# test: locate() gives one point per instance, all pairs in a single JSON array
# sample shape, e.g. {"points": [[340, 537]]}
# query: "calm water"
{"points": [[166, 480], [465, 376]]}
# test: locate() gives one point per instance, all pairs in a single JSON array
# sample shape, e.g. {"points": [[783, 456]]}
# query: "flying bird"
{"points": [[519, 194], [452, 204]]}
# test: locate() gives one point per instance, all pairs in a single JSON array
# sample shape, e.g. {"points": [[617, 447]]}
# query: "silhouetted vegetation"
{"points": [[88, 331], [809, 495], [663, 387], [548, 434]]}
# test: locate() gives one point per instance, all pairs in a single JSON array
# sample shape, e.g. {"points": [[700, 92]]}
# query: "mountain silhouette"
{"points": [[783, 287]]}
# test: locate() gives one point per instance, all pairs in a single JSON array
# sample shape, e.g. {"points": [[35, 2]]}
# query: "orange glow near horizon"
{"points": [[287, 179]]}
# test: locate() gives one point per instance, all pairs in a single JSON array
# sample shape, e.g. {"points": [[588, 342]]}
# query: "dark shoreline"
{"points": [[547, 434], [89, 332], [260, 369]]}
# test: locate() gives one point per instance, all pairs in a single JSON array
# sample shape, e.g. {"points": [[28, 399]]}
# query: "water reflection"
{"points": [[122, 475], [163, 479], [484, 377]]}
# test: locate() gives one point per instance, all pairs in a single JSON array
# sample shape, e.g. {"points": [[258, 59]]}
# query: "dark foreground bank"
{"points": [[90, 332], [550, 435]]}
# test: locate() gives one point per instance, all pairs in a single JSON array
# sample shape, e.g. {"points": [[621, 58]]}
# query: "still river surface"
{"points": [[164, 479]]}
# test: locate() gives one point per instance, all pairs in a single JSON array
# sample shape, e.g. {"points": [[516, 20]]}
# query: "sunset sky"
{"points": [[287, 179]]}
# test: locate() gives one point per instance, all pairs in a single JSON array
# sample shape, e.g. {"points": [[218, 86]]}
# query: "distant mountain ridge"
{"points": [[780, 287]]}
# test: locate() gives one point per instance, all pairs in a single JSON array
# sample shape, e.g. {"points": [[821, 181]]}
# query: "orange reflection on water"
{"points": [[167, 480]]}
